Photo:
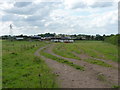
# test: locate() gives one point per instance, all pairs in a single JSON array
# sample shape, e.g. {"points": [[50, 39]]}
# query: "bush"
{"points": [[113, 39]]}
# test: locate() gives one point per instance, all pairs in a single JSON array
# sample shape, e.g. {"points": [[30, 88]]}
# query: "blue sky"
{"points": [[63, 16]]}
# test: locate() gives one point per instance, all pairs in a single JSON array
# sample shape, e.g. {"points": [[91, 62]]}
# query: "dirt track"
{"points": [[84, 56], [69, 77]]}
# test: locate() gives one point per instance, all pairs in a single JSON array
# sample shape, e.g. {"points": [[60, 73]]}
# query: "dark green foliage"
{"points": [[113, 39], [115, 86]]}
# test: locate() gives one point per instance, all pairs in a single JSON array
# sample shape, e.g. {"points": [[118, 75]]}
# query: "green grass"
{"points": [[62, 60], [96, 49], [66, 51], [98, 62], [100, 50], [115, 86], [21, 69]]}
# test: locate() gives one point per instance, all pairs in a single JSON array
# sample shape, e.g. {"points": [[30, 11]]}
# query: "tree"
{"points": [[98, 37]]}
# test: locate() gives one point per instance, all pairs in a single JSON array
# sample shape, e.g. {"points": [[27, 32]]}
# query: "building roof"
{"points": [[19, 38]]}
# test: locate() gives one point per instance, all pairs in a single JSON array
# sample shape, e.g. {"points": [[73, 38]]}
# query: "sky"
{"points": [[59, 16]]}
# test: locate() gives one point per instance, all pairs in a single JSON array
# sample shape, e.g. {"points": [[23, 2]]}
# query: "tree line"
{"points": [[113, 39]]}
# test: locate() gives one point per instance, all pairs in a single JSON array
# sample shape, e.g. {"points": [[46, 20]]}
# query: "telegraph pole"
{"points": [[11, 33]]}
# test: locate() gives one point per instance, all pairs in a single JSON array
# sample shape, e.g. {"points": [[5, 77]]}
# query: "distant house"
{"points": [[55, 39], [35, 38], [68, 41], [64, 39], [46, 38], [83, 37], [19, 38]]}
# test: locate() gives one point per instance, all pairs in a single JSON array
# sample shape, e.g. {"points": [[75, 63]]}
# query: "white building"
{"points": [[62, 40], [19, 38]]}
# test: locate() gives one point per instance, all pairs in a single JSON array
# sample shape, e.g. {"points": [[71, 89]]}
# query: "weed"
{"points": [[101, 77], [115, 86]]}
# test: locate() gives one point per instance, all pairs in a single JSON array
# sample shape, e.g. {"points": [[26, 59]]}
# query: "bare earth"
{"points": [[68, 77]]}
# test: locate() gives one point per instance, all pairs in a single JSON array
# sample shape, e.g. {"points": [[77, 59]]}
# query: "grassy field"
{"points": [[95, 49], [22, 69]]}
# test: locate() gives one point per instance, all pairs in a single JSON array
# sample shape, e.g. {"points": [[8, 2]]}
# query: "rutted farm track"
{"points": [[94, 76]]}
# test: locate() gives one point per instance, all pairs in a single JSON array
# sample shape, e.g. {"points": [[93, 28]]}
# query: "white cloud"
{"points": [[74, 4], [70, 16], [6, 5], [101, 20]]}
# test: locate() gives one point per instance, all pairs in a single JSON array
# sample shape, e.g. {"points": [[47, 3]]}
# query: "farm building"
{"points": [[19, 38], [36, 37], [46, 38], [65, 40]]}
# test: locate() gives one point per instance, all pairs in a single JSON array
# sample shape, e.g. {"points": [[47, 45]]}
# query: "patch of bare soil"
{"points": [[82, 56], [69, 77], [92, 70]]}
